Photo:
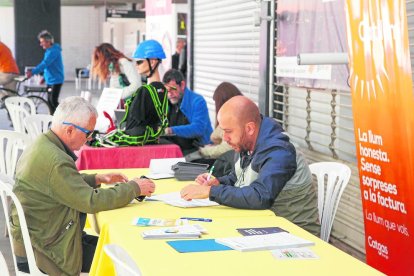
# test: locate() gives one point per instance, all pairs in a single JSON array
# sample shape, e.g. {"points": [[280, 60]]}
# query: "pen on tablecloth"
{"points": [[198, 219], [210, 173]]}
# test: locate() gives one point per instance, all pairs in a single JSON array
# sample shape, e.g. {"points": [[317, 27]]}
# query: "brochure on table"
{"points": [[161, 168]]}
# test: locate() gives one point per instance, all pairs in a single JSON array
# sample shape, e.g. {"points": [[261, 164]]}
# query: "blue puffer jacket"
{"points": [[51, 65], [195, 109], [273, 158]]}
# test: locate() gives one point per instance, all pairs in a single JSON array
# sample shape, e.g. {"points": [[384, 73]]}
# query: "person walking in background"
{"points": [[8, 69], [51, 67], [109, 62], [179, 58]]}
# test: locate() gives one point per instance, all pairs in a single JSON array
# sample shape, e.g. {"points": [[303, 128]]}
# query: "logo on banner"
{"points": [[383, 104]]}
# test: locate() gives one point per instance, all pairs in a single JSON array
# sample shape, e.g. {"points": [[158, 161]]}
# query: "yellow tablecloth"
{"points": [[154, 209], [156, 257]]}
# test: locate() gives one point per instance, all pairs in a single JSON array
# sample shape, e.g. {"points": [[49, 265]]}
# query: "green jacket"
{"points": [[53, 193]]}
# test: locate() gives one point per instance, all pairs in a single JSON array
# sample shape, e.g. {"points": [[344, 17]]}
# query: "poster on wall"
{"points": [[383, 105], [181, 25], [310, 26]]}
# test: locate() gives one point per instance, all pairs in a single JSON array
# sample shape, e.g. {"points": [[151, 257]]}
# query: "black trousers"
{"points": [[89, 243], [88, 250], [53, 96]]}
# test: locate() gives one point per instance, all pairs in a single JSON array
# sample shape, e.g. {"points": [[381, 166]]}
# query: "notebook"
{"points": [[259, 231], [265, 242], [161, 168]]}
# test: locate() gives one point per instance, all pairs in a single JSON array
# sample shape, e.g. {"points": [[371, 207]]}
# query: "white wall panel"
{"points": [[226, 47], [7, 27], [81, 33]]}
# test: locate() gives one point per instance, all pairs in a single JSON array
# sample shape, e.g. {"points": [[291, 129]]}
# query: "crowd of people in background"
{"points": [[266, 171]]}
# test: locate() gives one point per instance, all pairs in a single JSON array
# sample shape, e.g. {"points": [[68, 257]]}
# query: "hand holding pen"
{"points": [[146, 186], [207, 179]]}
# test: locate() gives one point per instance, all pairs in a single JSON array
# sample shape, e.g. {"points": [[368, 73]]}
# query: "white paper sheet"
{"points": [[175, 199], [161, 168]]}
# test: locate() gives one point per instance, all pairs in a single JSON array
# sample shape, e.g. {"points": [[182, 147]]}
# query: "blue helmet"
{"points": [[149, 49]]}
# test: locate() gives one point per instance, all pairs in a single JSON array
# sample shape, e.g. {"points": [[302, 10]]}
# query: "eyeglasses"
{"points": [[139, 62], [168, 87], [84, 130]]}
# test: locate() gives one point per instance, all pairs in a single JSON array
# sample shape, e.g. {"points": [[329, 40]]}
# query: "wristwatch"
{"points": [[141, 197]]}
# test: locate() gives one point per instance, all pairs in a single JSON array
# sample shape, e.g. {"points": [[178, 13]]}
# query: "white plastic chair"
{"points": [[329, 191], [124, 264], [19, 109], [12, 144], [6, 192], [37, 124], [4, 270]]}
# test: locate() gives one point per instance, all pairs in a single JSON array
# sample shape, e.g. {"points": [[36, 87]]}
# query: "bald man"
{"points": [[269, 174]]}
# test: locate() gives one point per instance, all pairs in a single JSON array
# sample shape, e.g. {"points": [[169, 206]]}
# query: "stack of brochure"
{"points": [[265, 242], [188, 171], [188, 231]]}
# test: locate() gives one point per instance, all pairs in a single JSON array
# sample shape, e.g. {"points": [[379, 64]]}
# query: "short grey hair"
{"points": [[75, 110], [46, 35]]}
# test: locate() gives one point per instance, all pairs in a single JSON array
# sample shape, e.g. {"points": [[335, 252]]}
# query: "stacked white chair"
{"points": [[12, 144], [5, 193], [37, 124], [337, 176], [124, 264], [19, 109]]}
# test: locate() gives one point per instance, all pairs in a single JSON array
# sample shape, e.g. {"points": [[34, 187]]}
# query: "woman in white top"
{"points": [[108, 62]]}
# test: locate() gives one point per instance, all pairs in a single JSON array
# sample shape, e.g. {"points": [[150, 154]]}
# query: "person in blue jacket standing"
{"points": [[189, 122], [51, 66]]}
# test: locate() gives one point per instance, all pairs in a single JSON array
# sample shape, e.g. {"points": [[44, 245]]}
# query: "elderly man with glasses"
{"points": [[189, 122], [55, 196]]}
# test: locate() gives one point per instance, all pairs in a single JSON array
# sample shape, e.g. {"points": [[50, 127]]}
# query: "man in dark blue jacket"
{"points": [[188, 118], [270, 174], [51, 66]]}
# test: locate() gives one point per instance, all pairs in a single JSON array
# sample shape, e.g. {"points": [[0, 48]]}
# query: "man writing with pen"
{"points": [[269, 174]]}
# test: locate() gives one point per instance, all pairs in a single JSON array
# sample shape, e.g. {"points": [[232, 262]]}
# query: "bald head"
{"points": [[242, 109], [240, 120]]}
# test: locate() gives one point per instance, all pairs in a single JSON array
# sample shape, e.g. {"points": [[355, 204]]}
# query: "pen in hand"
{"points": [[210, 173], [141, 198]]}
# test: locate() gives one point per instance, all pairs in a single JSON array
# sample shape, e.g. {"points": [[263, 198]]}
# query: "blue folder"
{"points": [[186, 246]]}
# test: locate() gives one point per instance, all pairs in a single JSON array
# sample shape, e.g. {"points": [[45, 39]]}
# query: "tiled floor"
{"points": [[68, 89]]}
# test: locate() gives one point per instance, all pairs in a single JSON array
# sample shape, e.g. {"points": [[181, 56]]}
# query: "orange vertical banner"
{"points": [[383, 108]]}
